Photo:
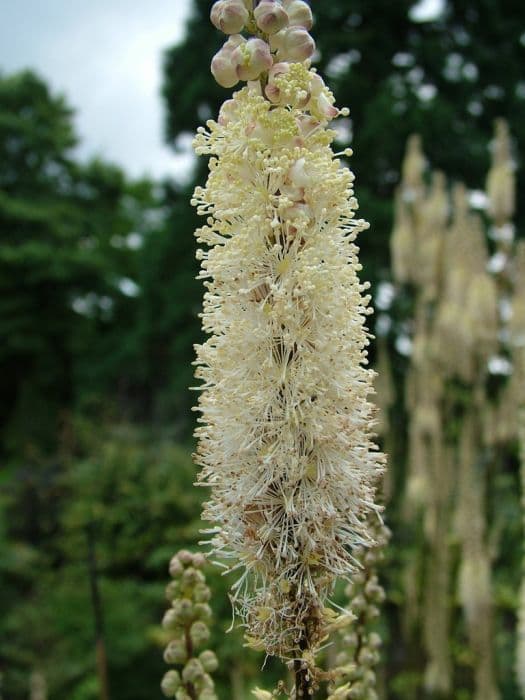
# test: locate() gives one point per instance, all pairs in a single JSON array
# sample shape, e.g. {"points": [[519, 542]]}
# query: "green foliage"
{"points": [[63, 259], [136, 491]]}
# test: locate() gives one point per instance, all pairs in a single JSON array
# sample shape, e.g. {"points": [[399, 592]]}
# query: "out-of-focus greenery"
{"points": [[99, 313]]}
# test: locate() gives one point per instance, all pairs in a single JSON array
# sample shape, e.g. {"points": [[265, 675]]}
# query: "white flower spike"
{"points": [[285, 428]]}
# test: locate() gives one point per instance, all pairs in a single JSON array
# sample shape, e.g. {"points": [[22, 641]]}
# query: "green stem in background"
{"points": [[190, 688], [102, 661]]}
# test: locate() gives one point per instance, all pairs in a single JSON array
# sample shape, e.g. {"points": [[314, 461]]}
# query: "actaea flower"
{"points": [[285, 428]]}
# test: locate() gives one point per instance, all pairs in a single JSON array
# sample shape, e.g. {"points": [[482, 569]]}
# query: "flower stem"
{"points": [[190, 688], [303, 686], [303, 675]]}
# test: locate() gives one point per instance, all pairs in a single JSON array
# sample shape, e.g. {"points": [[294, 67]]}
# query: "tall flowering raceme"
{"points": [[468, 328], [284, 441]]}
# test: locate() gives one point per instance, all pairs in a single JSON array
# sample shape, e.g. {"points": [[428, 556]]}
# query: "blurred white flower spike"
{"points": [[285, 435]]}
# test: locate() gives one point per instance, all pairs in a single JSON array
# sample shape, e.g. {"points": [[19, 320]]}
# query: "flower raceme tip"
{"points": [[280, 33]]}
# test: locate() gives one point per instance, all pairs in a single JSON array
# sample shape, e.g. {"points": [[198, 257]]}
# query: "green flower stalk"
{"points": [[186, 623], [285, 437], [360, 643]]}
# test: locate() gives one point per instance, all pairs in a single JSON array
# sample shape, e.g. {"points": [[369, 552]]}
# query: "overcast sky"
{"points": [[105, 55]]}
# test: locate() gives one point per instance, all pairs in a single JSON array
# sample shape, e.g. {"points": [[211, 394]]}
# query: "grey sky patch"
{"points": [[106, 57]]}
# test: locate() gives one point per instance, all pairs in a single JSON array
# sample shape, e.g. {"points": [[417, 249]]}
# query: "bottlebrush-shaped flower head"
{"points": [[284, 435]]}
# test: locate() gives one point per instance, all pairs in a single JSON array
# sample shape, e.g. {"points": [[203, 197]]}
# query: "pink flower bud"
{"points": [[227, 112], [320, 98], [293, 192], [252, 59], [299, 13], [277, 40], [273, 93], [278, 69], [297, 44], [223, 67], [229, 16], [325, 107], [307, 124], [224, 71], [298, 174], [270, 16]]}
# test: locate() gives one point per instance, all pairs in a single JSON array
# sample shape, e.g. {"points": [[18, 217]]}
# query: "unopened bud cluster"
{"points": [[186, 622], [279, 33], [359, 656]]}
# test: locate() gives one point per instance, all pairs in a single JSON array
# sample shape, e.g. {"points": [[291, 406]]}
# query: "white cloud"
{"points": [[427, 10], [106, 57]]}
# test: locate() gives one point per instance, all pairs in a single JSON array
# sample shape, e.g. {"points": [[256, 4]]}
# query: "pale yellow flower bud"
{"points": [[261, 694], [199, 633], [251, 59], [191, 577], [170, 684], [201, 593], [185, 557], [207, 694], [176, 567], [172, 590], [202, 612], [182, 610], [192, 671], [229, 16], [340, 693], [199, 560], [175, 652], [209, 661], [299, 13], [270, 16], [181, 694], [171, 620]]}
